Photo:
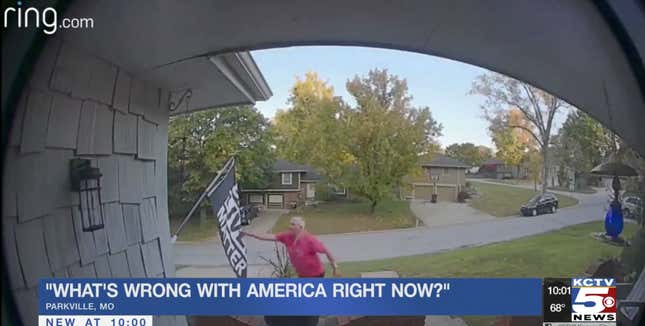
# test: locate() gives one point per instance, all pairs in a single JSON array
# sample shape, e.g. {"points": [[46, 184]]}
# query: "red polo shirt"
{"points": [[304, 253]]}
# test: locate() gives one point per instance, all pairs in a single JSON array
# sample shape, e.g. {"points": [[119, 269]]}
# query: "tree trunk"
{"points": [[373, 207], [545, 167]]}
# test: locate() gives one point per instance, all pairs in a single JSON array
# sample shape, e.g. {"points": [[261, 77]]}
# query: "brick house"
{"points": [[291, 185]]}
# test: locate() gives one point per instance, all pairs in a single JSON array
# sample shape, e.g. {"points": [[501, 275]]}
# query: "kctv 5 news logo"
{"points": [[593, 300]]}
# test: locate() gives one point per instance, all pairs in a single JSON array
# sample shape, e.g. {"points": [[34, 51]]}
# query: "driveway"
{"points": [[447, 213], [265, 221]]}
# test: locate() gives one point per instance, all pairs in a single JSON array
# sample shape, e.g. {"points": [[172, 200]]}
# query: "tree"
{"points": [[538, 107], [311, 131], [201, 142], [582, 142], [534, 163], [469, 153], [386, 134], [512, 145], [485, 152]]}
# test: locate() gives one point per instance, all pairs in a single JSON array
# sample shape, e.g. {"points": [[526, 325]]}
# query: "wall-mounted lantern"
{"points": [[86, 181]]}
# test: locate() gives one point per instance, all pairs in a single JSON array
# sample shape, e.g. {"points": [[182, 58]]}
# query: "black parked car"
{"points": [[540, 204], [248, 213]]}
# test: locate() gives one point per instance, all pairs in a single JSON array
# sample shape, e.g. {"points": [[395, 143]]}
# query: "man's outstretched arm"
{"points": [[264, 237]]}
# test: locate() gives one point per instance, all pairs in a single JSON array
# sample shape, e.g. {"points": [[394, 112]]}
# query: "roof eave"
{"points": [[240, 68]]}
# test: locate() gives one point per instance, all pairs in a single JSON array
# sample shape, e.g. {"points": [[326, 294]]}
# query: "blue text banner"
{"points": [[311, 296]]}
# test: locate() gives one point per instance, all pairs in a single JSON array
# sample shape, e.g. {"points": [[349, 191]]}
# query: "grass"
{"points": [[500, 200], [527, 182], [564, 253], [352, 216], [515, 181], [194, 230], [580, 191]]}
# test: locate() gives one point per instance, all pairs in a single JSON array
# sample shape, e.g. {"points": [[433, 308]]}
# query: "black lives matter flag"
{"points": [[226, 204]]}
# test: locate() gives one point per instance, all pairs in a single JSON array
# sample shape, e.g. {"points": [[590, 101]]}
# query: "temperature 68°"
{"points": [[557, 307]]}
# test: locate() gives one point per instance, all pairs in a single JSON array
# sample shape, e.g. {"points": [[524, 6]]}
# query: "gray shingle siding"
{"points": [[77, 105]]}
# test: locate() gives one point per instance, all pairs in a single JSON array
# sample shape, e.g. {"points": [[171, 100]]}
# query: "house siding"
{"points": [[78, 105], [276, 181], [450, 182], [449, 175]]}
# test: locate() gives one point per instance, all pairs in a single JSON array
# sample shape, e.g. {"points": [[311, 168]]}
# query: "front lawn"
{"points": [[581, 191], [564, 253], [195, 230], [525, 182], [500, 200], [352, 216]]}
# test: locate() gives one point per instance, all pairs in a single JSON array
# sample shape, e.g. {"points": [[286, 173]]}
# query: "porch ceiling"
{"points": [[565, 47], [225, 79]]}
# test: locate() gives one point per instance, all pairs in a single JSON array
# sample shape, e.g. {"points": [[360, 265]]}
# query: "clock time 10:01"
{"points": [[559, 290]]}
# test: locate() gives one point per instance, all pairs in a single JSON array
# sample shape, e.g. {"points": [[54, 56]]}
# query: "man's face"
{"points": [[293, 227]]}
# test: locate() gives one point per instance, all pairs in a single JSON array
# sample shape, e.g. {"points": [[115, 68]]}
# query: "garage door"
{"points": [[275, 201], [256, 199], [445, 194], [422, 192]]}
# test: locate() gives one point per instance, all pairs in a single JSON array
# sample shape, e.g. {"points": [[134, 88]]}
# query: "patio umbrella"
{"points": [[614, 169]]}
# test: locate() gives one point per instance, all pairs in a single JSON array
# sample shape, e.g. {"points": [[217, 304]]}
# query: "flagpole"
{"points": [[206, 192], [227, 167]]}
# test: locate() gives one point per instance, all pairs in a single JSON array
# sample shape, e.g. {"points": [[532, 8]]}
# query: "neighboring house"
{"points": [[497, 169], [444, 176], [291, 185]]}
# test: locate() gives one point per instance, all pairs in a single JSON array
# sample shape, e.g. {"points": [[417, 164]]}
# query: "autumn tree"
{"points": [[311, 130], [512, 144], [201, 142], [386, 134], [538, 107]]}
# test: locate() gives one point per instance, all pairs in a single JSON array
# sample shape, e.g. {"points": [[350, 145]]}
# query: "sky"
{"points": [[438, 83]]}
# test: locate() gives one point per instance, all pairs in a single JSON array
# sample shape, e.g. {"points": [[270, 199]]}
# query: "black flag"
{"points": [[226, 204]]}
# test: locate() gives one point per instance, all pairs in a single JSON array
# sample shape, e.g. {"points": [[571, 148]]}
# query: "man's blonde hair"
{"points": [[298, 220]]}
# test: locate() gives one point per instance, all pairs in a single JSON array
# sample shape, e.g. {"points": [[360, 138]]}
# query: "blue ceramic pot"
{"points": [[614, 220]]}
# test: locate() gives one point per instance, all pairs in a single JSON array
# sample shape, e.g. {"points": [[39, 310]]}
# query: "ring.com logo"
{"points": [[47, 17]]}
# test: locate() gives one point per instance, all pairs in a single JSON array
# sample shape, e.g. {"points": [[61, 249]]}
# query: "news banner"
{"points": [[133, 302]]}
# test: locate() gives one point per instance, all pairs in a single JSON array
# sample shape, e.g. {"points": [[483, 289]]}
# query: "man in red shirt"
{"points": [[303, 249]]}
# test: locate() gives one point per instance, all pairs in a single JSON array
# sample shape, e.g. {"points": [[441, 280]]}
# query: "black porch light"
{"points": [[86, 180]]}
